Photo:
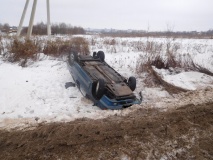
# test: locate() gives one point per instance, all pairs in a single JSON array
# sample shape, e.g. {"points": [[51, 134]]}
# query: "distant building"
{"points": [[13, 29], [9, 30]]}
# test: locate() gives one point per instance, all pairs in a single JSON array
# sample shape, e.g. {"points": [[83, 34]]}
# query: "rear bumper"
{"points": [[113, 104]]}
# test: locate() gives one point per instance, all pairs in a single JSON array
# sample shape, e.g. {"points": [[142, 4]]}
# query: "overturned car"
{"points": [[101, 83]]}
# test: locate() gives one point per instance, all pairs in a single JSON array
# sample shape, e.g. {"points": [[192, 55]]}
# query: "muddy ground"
{"points": [[181, 133]]}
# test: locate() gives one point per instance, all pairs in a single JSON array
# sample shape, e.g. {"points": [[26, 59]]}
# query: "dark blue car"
{"points": [[101, 83]]}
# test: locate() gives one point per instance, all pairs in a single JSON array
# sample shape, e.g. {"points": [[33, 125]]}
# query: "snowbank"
{"points": [[186, 80]]}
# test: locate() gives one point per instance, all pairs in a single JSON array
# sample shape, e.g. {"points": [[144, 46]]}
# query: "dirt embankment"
{"points": [[184, 133]]}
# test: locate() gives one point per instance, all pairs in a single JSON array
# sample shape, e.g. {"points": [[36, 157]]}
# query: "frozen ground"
{"points": [[147, 133], [37, 93]]}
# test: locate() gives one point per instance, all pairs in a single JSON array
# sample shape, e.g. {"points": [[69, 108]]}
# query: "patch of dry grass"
{"points": [[1, 45], [22, 50], [169, 61], [57, 48], [61, 47], [80, 45]]}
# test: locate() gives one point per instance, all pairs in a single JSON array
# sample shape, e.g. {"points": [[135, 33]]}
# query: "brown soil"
{"points": [[184, 133]]}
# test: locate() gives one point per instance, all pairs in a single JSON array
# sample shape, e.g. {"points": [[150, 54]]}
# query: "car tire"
{"points": [[73, 57], [101, 55], [132, 83], [94, 55], [100, 88]]}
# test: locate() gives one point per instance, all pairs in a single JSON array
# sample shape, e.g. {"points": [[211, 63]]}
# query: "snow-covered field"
{"points": [[37, 93]]}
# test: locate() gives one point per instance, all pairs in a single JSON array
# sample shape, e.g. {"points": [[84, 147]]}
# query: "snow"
{"points": [[187, 80], [37, 93], [205, 60], [124, 63]]}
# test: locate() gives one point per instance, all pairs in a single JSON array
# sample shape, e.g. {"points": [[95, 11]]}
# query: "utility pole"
{"points": [[48, 19], [22, 18], [30, 27]]}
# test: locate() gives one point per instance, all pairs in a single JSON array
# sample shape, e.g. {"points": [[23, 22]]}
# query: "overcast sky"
{"points": [[180, 15]]}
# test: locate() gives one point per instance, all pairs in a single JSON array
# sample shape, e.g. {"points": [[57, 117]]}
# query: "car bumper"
{"points": [[113, 104]]}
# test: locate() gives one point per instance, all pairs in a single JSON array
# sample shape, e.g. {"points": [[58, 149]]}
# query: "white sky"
{"points": [[181, 15]]}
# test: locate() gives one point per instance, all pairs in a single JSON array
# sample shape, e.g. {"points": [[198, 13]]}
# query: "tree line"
{"points": [[63, 28], [41, 29], [142, 33], [57, 28], [4, 27]]}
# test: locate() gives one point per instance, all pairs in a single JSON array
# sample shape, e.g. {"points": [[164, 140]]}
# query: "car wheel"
{"points": [[100, 88], [132, 83], [94, 55], [101, 55]]}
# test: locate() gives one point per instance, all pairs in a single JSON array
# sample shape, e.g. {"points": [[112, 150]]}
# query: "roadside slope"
{"points": [[179, 133]]}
